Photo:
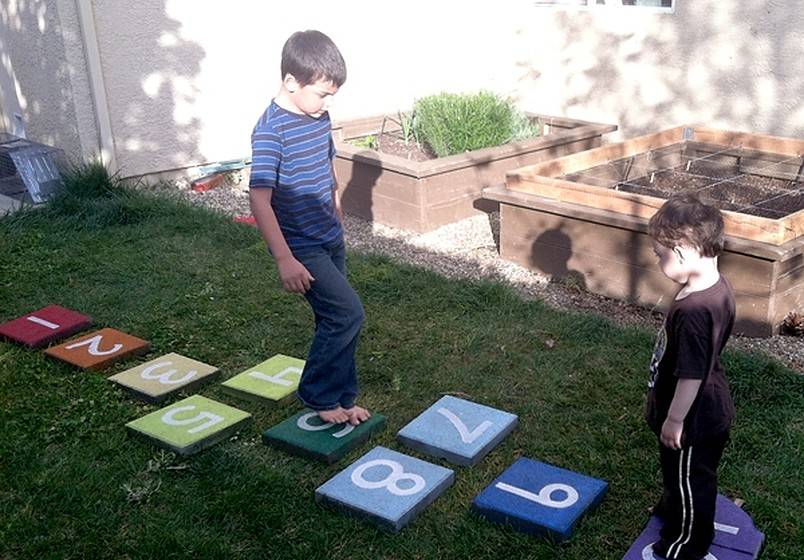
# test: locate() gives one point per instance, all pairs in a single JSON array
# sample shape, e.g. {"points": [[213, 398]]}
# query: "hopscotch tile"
{"points": [[43, 326], [190, 425], [274, 379], [538, 498], [736, 536], [156, 380], [98, 349], [642, 547], [386, 488], [458, 430], [735, 529], [306, 435]]}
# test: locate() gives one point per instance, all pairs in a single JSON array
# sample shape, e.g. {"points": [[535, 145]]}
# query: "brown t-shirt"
{"points": [[688, 346]]}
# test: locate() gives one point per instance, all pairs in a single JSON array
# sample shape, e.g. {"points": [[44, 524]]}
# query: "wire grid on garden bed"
{"points": [[728, 177]]}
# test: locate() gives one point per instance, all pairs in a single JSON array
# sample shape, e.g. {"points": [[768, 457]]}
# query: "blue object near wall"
{"points": [[538, 498]]}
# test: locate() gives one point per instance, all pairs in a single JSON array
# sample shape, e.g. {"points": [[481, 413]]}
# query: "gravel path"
{"points": [[468, 249]]}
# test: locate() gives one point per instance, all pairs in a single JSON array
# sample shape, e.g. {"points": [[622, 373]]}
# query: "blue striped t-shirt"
{"points": [[292, 154]]}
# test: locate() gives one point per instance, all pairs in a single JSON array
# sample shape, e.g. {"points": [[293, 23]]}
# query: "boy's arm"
{"points": [[295, 277], [686, 391], [336, 195]]}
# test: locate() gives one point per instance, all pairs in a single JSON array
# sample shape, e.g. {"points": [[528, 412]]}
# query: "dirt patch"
{"points": [[395, 145], [724, 187], [760, 184]]}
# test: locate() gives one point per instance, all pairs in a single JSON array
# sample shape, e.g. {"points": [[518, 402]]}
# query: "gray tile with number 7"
{"points": [[461, 431]]}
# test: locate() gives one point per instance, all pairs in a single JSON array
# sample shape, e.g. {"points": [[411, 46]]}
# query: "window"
{"points": [[655, 5]]}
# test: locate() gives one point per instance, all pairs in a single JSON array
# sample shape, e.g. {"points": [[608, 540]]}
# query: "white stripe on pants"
{"points": [[687, 511]]}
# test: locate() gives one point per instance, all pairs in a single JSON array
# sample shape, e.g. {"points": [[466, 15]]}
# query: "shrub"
{"points": [[454, 123], [92, 198]]}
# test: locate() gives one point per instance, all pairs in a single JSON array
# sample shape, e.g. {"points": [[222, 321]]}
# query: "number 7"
{"points": [[466, 435]]}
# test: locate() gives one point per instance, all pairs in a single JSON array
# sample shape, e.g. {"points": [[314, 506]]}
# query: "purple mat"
{"points": [[736, 537]]}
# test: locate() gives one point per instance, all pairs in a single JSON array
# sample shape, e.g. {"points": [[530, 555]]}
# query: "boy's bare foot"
{"points": [[357, 415], [334, 416]]}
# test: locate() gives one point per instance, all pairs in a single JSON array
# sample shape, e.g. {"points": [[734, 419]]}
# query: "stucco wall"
{"points": [[186, 79], [44, 59]]}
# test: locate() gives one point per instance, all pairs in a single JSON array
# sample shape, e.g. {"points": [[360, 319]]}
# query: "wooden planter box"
{"points": [[422, 196], [762, 154], [598, 236]]}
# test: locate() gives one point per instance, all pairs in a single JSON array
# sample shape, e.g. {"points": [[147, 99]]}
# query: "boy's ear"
{"points": [[290, 82]]}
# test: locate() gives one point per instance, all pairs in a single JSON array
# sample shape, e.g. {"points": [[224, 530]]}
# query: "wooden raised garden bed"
{"points": [[423, 195], [585, 215]]}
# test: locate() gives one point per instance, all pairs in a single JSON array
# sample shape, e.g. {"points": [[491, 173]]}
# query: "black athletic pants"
{"points": [[689, 476]]}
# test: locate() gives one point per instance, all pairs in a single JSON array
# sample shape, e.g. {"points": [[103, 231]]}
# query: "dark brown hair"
{"points": [[311, 56], [684, 219]]}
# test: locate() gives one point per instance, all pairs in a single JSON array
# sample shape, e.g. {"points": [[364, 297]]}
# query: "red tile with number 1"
{"points": [[44, 326]]}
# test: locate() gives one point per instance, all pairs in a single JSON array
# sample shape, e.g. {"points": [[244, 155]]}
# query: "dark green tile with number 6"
{"points": [[305, 434]]}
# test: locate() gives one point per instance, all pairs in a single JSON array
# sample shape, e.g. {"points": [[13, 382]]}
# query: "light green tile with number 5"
{"points": [[189, 425], [272, 380]]}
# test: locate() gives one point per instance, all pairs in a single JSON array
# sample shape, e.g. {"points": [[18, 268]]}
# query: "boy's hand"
{"points": [[671, 434], [295, 278], [338, 207]]}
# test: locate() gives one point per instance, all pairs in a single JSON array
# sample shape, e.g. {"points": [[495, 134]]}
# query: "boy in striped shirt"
{"points": [[294, 199]]}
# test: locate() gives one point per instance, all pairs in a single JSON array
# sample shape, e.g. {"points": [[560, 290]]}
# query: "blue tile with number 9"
{"points": [[538, 498], [385, 487], [458, 430]]}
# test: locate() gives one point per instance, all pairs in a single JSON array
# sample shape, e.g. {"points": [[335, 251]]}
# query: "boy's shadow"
{"points": [[550, 255], [358, 195]]}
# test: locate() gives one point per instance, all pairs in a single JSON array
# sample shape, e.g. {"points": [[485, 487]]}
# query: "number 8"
{"points": [[389, 482]]}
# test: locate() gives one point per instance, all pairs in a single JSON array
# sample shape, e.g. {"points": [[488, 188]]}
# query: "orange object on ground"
{"points": [[98, 349], [209, 182]]}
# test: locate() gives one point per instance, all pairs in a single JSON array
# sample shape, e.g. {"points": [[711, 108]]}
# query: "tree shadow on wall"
{"points": [[148, 75]]}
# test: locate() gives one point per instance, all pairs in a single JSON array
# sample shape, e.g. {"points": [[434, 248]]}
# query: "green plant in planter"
{"points": [[408, 123], [454, 123], [368, 142]]}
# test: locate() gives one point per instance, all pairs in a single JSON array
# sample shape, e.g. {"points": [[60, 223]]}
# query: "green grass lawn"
{"points": [[73, 484]]}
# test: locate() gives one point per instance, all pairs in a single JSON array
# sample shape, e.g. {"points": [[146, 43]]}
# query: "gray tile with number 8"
{"points": [[386, 488]]}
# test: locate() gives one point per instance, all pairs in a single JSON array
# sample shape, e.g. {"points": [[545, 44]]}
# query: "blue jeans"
{"points": [[329, 379]]}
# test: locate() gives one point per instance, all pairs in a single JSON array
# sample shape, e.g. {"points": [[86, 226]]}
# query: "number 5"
{"points": [[212, 419]]}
